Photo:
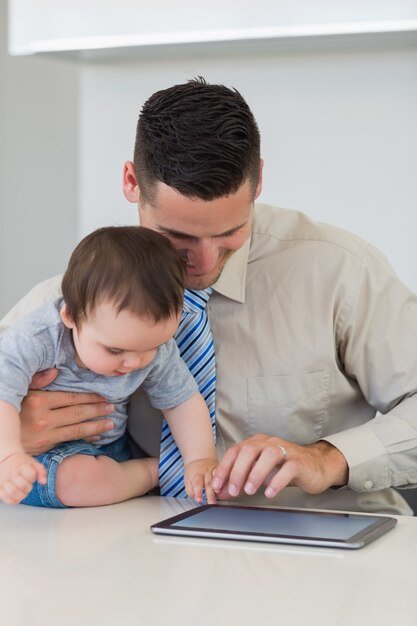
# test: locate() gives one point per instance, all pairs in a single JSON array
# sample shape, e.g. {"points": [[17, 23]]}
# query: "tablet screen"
{"points": [[272, 521], [298, 526]]}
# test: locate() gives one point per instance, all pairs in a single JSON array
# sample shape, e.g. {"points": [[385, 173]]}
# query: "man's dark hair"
{"points": [[198, 138], [133, 267]]}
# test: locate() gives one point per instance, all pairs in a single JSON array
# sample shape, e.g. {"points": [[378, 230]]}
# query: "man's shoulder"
{"points": [[35, 339], [45, 318], [289, 227], [42, 293]]}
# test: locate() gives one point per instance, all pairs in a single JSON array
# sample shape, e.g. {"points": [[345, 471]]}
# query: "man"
{"points": [[314, 335]]}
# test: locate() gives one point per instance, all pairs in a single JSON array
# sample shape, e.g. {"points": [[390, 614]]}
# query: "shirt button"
{"points": [[368, 484]]}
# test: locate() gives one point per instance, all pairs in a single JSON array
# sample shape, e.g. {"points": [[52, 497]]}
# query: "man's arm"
{"points": [[51, 417], [376, 342]]}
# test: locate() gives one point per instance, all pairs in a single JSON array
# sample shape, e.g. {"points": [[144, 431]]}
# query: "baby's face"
{"points": [[114, 344]]}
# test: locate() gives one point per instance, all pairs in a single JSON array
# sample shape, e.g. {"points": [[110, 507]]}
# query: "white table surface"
{"points": [[104, 566]]}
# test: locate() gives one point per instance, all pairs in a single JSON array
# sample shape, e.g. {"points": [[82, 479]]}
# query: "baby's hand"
{"points": [[18, 472], [198, 476]]}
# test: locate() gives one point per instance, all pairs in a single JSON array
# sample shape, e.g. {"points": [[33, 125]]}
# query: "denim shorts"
{"points": [[44, 495]]}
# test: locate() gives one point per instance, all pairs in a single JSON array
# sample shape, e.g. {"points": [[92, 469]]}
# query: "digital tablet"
{"points": [[275, 525]]}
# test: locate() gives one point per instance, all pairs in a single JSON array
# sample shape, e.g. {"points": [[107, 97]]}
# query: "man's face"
{"points": [[205, 233]]}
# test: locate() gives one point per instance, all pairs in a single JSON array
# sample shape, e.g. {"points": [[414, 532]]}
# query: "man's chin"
{"points": [[198, 283], [201, 282]]}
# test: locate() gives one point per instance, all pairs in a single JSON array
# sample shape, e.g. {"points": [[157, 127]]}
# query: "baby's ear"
{"points": [[66, 318]]}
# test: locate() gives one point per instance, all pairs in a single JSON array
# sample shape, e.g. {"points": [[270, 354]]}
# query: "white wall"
{"points": [[339, 140], [339, 131], [39, 168], [47, 25]]}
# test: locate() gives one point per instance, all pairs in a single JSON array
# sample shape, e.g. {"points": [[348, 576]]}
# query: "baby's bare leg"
{"points": [[83, 480]]}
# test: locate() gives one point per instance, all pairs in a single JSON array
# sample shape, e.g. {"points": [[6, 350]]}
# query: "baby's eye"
{"points": [[114, 352]]}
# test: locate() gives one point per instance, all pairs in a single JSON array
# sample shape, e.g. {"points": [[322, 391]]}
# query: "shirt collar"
{"points": [[232, 280]]}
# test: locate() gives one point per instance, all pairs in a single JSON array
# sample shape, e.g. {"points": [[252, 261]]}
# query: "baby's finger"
{"points": [[21, 483], [5, 498], [3, 495], [189, 490], [198, 484], [208, 488], [13, 494], [40, 473], [28, 471]]}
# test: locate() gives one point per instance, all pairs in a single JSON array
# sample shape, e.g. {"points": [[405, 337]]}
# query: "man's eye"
{"points": [[179, 236]]}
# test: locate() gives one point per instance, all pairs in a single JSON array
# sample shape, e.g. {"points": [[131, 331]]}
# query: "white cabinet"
{"points": [[37, 26]]}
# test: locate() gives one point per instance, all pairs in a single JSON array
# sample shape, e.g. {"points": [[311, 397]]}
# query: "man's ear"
{"points": [[259, 185], [66, 318], [130, 184]]}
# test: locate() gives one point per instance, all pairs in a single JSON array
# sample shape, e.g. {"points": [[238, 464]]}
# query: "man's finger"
{"points": [[222, 471], [73, 415], [269, 458], [45, 400], [282, 479], [247, 457], [83, 430]]}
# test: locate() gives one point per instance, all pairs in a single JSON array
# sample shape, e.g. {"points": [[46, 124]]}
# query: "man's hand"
{"points": [[277, 463], [52, 417]]}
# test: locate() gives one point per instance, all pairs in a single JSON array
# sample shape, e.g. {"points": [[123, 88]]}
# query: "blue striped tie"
{"points": [[195, 344]]}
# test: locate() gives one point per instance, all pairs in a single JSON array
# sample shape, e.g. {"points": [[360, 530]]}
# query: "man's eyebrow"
{"points": [[178, 233]]}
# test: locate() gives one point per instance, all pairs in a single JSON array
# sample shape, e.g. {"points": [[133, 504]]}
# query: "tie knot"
{"points": [[196, 300]]}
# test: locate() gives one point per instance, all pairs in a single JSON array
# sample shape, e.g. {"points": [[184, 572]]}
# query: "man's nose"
{"points": [[204, 255]]}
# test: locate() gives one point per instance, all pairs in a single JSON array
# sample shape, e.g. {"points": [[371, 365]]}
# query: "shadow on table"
{"points": [[410, 495]]}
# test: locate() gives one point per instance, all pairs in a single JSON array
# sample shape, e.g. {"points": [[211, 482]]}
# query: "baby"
{"points": [[111, 332]]}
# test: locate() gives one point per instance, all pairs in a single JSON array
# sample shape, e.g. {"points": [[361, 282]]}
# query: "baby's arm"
{"points": [[191, 428], [18, 470]]}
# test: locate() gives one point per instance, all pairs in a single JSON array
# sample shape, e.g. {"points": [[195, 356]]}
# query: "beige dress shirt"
{"points": [[315, 338]]}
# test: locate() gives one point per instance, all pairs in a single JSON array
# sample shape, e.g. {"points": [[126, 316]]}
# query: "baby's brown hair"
{"points": [[133, 267]]}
